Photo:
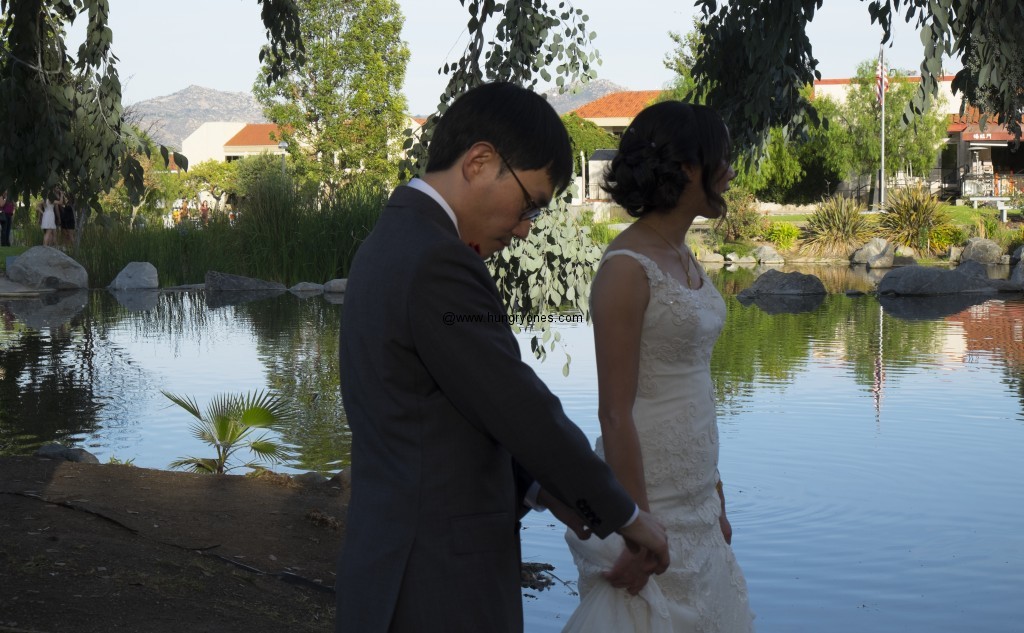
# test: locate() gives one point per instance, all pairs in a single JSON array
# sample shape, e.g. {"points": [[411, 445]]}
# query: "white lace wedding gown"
{"points": [[703, 590]]}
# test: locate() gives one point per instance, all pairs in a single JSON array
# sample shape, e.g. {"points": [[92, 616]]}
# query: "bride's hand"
{"points": [[723, 522], [632, 570]]}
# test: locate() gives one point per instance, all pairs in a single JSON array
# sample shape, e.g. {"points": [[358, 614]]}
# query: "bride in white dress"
{"points": [[656, 319]]}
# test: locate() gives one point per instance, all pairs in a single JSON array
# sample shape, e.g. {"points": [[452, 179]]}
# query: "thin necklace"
{"points": [[684, 258]]}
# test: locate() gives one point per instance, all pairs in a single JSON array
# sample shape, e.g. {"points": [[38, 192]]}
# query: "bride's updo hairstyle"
{"points": [[646, 175]]}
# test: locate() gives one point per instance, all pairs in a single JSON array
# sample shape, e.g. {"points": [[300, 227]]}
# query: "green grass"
{"points": [[9, 251]]}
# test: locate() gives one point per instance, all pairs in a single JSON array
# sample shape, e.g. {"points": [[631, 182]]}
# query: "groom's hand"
{"points": [[647, 533], [631, 571]]}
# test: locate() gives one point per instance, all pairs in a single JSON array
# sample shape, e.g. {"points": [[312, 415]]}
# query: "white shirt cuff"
{"points": [[636, 513], [531, 497]]}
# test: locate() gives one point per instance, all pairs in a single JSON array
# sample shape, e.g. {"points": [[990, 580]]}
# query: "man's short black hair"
{"points": [[521, 125]]}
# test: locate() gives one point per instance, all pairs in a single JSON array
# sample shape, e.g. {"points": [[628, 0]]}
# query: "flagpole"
{"points": [[881, 91]]}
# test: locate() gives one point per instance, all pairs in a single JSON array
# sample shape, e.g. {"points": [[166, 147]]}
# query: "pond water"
{"points": [[872, 462]]}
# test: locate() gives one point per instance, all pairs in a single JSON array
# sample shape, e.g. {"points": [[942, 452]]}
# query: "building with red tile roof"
{"points": [[254, 139], [615, 111]]}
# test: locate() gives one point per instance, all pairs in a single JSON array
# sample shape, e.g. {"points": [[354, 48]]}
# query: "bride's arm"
{"points": [[619, 299]]}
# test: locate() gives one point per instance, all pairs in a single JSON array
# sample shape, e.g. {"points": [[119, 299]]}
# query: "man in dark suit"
{"points": [[451, 432]]}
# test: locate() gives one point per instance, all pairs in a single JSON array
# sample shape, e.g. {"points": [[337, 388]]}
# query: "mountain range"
{"points": [[171, 118]]}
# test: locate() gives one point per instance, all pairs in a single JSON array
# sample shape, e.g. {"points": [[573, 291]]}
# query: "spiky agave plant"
{"points": [[910, 216], [228, 425], [837, 227]]}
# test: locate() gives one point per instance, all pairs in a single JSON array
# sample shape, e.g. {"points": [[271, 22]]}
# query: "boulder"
{"points": [[306, 289], [768, 255], [926, 281], [775, 282], [335, 285], [712, 258], [223, 282], [1016, 255], [60, 452], [136, 276], [955, 252], [735, 258], [1017, 274], [47, 267], [877, 253], [973, 268], [982, 250]]}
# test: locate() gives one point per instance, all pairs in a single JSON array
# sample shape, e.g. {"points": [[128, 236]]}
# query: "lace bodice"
{"points": [[674, 413], [675, 405]]}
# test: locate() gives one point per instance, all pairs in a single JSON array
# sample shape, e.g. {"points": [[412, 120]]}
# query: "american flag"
{"points": [[881, 80]]}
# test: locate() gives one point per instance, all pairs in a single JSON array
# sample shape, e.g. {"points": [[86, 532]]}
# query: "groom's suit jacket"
{"points": [[444, 415]]}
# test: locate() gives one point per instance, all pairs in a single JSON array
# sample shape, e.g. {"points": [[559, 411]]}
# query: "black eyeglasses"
{"points": [[533, 210]]}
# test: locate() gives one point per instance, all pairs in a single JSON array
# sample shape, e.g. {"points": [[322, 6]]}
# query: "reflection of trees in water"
{"points": [[47, 384], [63, 383], [757, 349], [298, 343]]}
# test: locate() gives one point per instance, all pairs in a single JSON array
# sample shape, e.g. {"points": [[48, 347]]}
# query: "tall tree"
{"points": [[61, 118], [586, 137], [756, 57], [343, 111], [911, 149]]}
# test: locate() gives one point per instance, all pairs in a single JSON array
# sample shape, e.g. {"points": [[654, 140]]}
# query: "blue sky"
{"points": [[215, 43]]}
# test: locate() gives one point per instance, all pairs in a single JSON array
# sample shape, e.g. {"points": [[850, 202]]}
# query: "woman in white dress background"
{"points": [[48, 219], [656, 318]]}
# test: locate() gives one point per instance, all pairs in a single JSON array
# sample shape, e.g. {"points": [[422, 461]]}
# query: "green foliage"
{"points": [[343, 110], [782, 234], [61, 118], [228, 426], [756, 57], [743, 222], [529, 41], [217, 178], [548, 271], [283, 232], [121, 462], [911, 149], [836, 227], [680, 62], [947, 235], [909, 217], [279, 235], [586, 137], [600, 233]]}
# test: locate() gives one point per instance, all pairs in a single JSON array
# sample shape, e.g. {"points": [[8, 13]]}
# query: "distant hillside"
{"points": [[171, 118], [580, 94]]}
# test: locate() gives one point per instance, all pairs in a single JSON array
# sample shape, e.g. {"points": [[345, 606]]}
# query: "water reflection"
{"points": [[95, 378], [92, 370]]}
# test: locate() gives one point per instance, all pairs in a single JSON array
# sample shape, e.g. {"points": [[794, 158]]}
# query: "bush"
{"points": [[743, 222], [837, 227], [600, 232], [910, 216], [782, 234], [947, 235]]}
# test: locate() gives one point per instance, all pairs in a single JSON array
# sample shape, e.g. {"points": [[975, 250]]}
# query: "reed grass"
{"points": [[280, 234]]}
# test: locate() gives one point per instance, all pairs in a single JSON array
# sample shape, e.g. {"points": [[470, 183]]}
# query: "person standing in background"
{"points": [[48, 219], [6, 218]]}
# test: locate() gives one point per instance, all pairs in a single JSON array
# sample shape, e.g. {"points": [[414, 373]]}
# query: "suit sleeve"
{"points": [[456, 320]]}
